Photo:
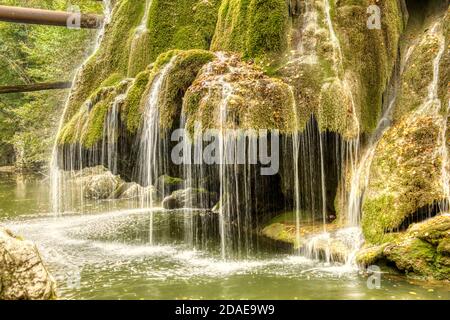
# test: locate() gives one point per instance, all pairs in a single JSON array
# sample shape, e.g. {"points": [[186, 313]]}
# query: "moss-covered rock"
{"points": [[421, 251], [252, 27], [128, 47], [86, 127], [251, 99], [404, 177], [339, 69], [187, 24], [406, 172]]}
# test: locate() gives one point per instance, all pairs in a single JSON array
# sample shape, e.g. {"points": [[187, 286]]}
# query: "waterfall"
{"points": [[111, 135], [306, 47], [56, 174], [224, 210], [151, 154]]}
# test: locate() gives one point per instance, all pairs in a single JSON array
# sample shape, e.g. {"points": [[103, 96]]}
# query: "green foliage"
{"points": [[33, 53]]}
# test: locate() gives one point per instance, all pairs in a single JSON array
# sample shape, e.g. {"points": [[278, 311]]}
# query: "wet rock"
{"points": [[166, 184], [132, 190], [421, 251], [191, 198], [171, 203], [23, 275], [101, 186]]}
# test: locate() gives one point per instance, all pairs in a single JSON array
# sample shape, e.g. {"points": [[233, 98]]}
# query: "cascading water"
{"points": [[151, 154], [433, 106], [111, 132], [310, 172], [57, 176]]}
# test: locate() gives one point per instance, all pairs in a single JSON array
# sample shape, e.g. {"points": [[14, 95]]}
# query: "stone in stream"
{"points": [[23, 275], [190, 198], [132, 190], [100, 186], [422, 251]]}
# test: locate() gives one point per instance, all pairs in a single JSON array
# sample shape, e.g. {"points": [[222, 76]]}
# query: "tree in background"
{"points": [[33, 53]]}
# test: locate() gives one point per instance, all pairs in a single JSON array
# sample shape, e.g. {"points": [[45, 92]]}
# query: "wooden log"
{"points": [[35, 87], [49, 17]]}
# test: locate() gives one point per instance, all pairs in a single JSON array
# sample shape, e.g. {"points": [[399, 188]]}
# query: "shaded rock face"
{"points": [[23, 275], [421, 251]]}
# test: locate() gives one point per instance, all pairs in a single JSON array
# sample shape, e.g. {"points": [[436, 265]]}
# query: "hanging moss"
{"points": [[255, 102], [87, 126], [181, 76], [252, 27]]}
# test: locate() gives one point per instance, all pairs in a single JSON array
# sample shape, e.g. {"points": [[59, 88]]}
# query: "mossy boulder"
{"points": [[252, 100], [405, 176], [100, 186], [421, 251]]}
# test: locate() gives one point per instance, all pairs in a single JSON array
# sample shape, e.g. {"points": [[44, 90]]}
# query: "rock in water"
{"points": [[100, 186], [23, 275]]}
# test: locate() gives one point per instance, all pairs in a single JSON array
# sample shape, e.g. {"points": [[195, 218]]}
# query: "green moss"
{"points": [[370, 255], [187, 24], [369, 54], [405, 176], [280, 232], [112, 55], [252, 27], [444, 247], [417, 77], [378, 216], [94, 126], [87, 125], [130, 111], [169, 181], [256, 102], [181, 76], [418, 258], [126, 51]]}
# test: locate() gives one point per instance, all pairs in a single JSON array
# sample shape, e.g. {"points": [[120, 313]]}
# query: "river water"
{"points": [[105, 254]]}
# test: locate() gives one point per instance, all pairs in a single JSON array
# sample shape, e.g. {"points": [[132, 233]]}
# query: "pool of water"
{"points": [[104, 253]]}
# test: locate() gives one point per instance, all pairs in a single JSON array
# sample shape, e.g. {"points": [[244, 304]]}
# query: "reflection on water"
{"points": [[107, 256]]}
